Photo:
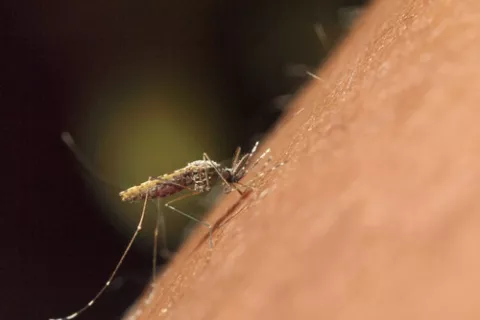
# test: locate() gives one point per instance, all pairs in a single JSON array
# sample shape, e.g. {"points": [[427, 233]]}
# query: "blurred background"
{"points": [[144, 88]]}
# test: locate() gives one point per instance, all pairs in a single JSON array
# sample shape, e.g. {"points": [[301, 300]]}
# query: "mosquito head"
{"points": [[232, 176]]}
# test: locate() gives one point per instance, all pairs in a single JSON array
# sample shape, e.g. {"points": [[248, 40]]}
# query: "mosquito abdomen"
{"points": [[155, 189]]}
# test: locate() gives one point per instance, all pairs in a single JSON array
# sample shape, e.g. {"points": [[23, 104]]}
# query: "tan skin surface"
{"points": [[377, 213]]}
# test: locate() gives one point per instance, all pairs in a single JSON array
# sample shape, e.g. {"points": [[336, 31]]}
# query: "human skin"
{"points": [[375, 213]]}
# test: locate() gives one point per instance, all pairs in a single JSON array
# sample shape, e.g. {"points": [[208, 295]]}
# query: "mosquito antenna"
{"points": [[112, 275], [82, 159]]}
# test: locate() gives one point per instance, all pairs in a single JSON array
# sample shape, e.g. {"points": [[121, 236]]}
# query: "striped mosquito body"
{"points": [[197, 177]]}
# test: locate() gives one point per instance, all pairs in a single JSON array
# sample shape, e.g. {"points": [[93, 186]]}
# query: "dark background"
{"points": [[228, 69]]}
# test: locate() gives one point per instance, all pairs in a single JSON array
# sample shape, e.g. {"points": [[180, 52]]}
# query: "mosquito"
{"points": [[196, 177]]}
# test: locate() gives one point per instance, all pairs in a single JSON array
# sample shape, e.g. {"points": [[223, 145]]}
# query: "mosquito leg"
{"points": [[155, 244], [84, 161], [322, 36], [266, 163], [206, 176], [258, 160], [160, 225], [112, 275], [250, 155], [206, 224], [261, 174], [245, 186]]}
